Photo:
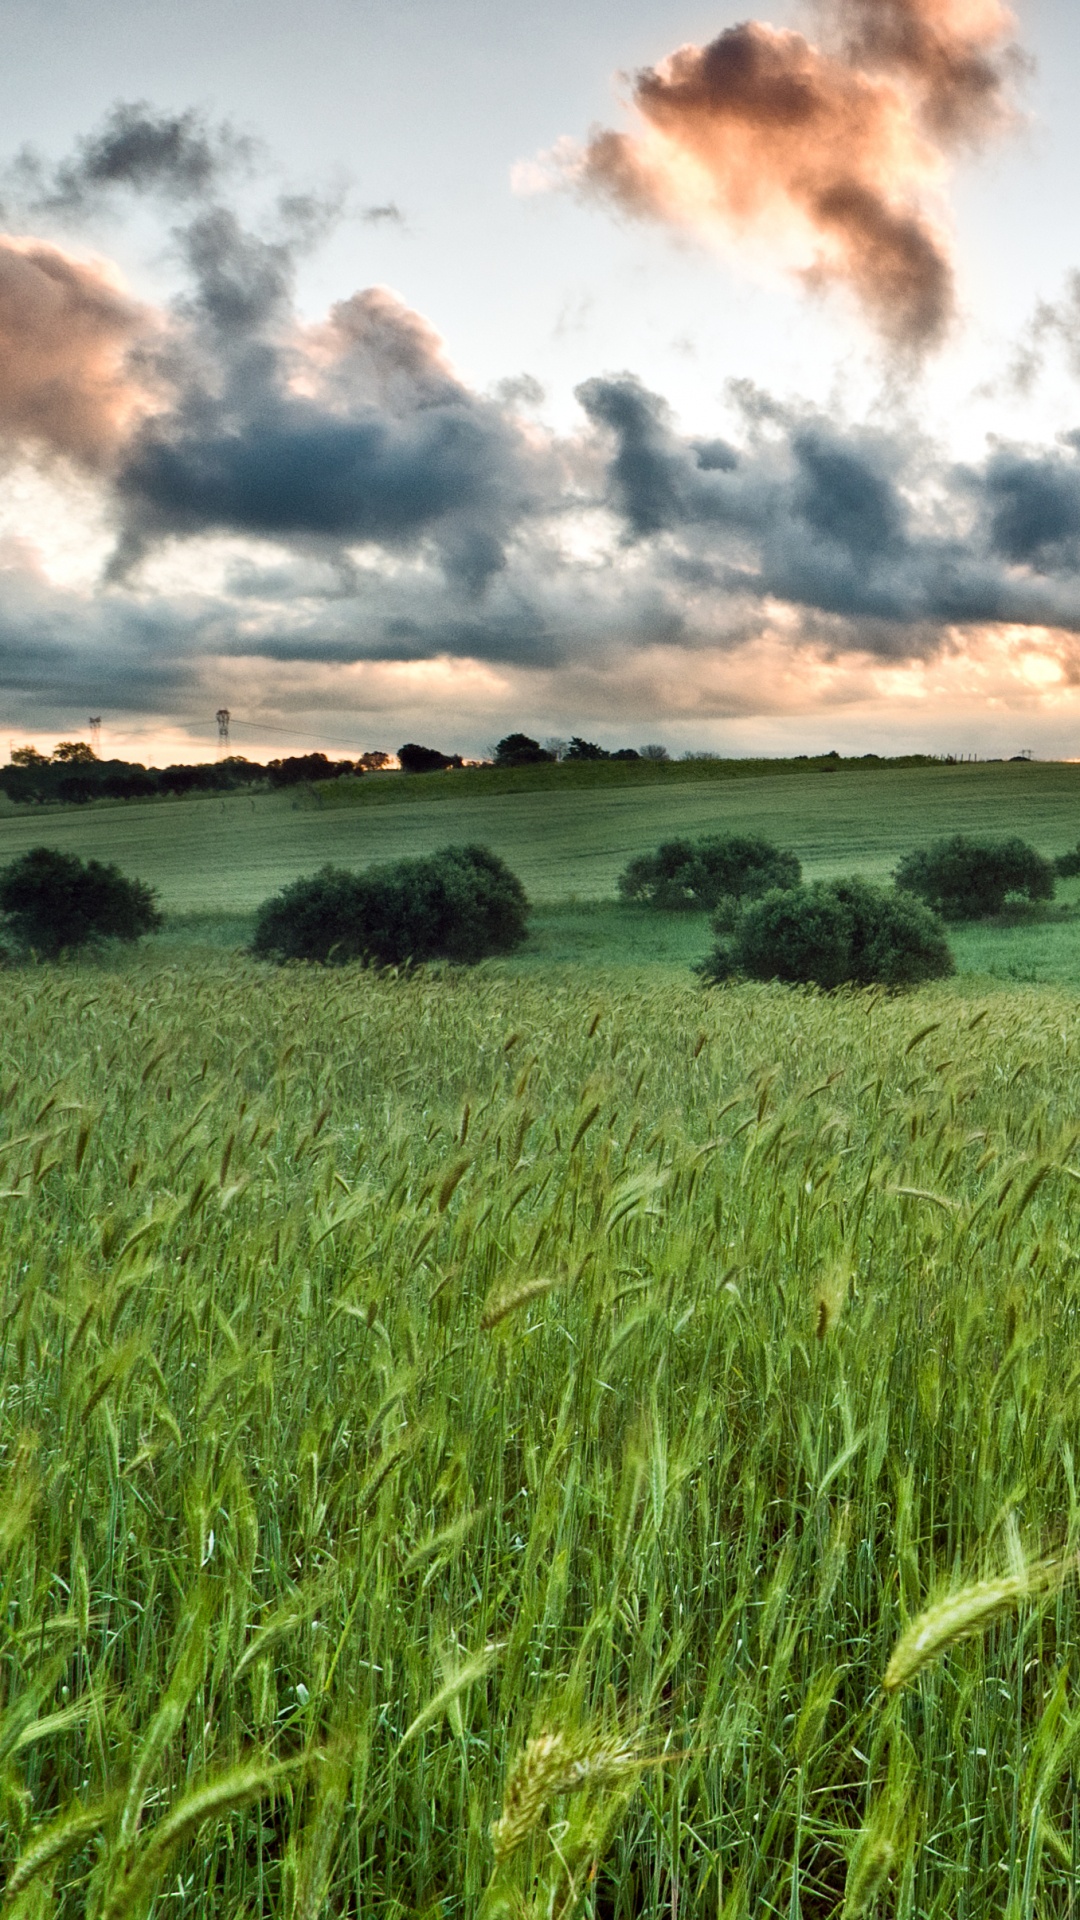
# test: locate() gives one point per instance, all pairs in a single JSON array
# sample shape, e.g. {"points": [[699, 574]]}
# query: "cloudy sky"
{"points": [[430, 369]]}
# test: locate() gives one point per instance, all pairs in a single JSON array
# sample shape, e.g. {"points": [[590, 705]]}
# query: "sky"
{"points": [[434, 370]]}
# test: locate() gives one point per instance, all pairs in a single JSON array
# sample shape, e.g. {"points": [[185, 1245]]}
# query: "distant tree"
{"points": [[586, 750], [75, 791], [374, 762], [963, 878], [459, 904], [54, 901], [625, 753], [705, 875], [517, 750], [834, 933], [653, 752], [129, 783], [74, 753], [28, 757], [416, 759], [302, 767], [557, 748]]}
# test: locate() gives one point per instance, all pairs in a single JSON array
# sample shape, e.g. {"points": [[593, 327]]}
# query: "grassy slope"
{"points": [[809, 1359], [225, 856]]}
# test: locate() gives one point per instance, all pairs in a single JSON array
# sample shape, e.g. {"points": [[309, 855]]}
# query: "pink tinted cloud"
{"points": [[67, 330], [830, 156]]}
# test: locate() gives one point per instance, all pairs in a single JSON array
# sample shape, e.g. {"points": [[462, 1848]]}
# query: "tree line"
{"points": [[73, 775]]}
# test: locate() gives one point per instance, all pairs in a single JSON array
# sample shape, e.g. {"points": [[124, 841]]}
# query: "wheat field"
{"points": [[475, 1446]]}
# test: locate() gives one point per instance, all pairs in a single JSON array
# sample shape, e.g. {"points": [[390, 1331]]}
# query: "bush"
{"points": [[52, 901], [835, 933], [303, 767], [517, 750], [415, 759], [460, 904], [696, 876], [963, 879], [1067, 865]]}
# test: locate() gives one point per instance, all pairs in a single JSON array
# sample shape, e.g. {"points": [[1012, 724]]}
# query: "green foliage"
{"points": [[478, 1446], [462, 903], [568, 829], [54, 901], [414, 759], [965, 878], [517, 750], [697, 875], [835, 933], [1067, 865]]}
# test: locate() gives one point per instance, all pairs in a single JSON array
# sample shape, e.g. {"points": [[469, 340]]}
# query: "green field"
{"points": [[471, 1444], [215, 860], [226, 855], [399, 1373]]}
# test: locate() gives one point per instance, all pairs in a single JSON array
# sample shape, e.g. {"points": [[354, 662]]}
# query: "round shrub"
{"points": [[462, 903], [835, 933], [700, 875], [963, 878], [54, 901], [1067, 865]]}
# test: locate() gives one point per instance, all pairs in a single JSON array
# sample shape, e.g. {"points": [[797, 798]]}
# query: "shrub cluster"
{"points": [[517, 750], [414, 758], [459, 904], [834, 933], [701, 875], [965, 879], [54, 901]]}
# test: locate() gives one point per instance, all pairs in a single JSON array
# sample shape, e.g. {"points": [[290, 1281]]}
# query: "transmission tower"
{"points": [[222, 716], [95, 731]]}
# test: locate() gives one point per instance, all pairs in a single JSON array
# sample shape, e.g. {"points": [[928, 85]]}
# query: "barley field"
{"points": [[485, 1446]]}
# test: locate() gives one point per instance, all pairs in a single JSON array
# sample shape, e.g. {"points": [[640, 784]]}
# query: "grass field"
{"points": [[470, 1444], [226, 855], [399, 1373]]}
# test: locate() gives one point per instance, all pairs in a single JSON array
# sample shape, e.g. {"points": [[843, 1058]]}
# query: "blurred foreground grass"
{"points": [[394, 1372]]}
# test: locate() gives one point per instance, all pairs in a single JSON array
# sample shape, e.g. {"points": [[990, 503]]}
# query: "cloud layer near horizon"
{"points": [[330, 507], [826, 156]]}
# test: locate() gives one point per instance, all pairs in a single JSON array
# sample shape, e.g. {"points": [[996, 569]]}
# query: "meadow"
{"points": [[224, 855], [472, 1442]]}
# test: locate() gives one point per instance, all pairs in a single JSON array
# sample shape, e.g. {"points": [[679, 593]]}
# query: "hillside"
{"points": [[225, 855]]}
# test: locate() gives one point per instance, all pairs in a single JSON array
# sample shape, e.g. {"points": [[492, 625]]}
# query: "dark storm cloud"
{"points": [[352, 433], [58, 652], [829, 519], [294, 470], [657, 480], [241, 281], [1034, 507], [844, 499], [181, 155], [355, 431]]}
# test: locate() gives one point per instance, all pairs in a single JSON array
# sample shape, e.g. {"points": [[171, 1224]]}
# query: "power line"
{"points": [[267, 726]]}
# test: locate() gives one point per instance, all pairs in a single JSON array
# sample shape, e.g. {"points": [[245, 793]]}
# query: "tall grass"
{"points": [[410, 1386]]}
